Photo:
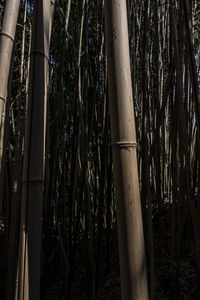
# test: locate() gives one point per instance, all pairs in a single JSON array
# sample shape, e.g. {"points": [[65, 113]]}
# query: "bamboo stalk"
{"points": [[16, 175], [7, 36], [34, 152], [129, 218]]}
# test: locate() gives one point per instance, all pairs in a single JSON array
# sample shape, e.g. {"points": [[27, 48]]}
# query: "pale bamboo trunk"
{"points": [[13, 239], [129, 218], [34, 157], [7, 36]]}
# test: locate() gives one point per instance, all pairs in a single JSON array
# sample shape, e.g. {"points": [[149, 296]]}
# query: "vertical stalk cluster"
{"points": [[59, 207]]}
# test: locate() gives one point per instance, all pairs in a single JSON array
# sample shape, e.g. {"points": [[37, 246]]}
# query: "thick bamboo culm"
{"points": [[129, 218], [7, 36], [34, 158]]}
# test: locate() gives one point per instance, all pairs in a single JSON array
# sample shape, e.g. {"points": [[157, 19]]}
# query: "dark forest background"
{"points": [[79, 229]]}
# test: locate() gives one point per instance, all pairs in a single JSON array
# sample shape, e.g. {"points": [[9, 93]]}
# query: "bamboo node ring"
{"points": [[7, 35], [40, 52], [124, 144], [2, 98]]}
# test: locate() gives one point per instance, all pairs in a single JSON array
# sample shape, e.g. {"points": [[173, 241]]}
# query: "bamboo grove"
{"points": [[56, 85]]}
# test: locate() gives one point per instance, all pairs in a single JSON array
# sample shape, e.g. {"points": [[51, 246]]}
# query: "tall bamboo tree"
{"points": [[129, 218], [7, 36], [6, 45], [34, 158]]}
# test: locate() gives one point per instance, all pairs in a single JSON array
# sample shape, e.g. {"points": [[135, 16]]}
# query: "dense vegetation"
{"points": [[79, 252]]}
